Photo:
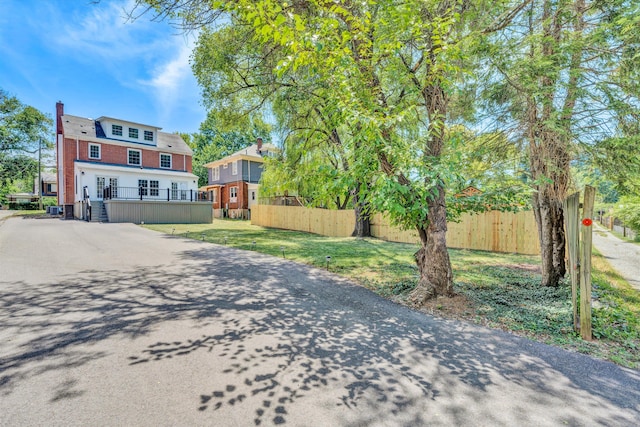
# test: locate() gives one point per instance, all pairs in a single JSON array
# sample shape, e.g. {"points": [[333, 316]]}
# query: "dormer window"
{"points": [[116, 130], [148, 135], [133, 133]]}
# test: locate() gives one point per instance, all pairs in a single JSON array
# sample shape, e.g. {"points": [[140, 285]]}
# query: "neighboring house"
{"points": [[21, 199], [48, 185], [108, 160], [233, 180]]}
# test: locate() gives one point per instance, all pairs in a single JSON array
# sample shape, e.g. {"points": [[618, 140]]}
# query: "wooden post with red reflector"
{"points": [[579, 236], [585, 262]]}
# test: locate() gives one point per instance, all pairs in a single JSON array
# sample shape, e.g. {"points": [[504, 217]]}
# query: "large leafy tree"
{"points": [[238, 78], [22, 127], [393, 69], [23, 131], [551, 81]]}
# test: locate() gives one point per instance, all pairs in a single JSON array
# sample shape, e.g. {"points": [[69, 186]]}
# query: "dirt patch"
{"points": [[457, 307]]}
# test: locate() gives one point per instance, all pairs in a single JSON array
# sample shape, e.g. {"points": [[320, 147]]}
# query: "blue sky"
{"points": [[97, 63]]}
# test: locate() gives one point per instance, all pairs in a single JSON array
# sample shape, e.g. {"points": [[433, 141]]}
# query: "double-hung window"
{"points": [[165, 161], [233, 194], [134, 157], [154, 188], [94, 151], [133, 133], [116, 130], [148, 135], [234, 168], [215, 173]]}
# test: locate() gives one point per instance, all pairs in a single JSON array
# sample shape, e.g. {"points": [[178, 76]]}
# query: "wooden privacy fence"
{"points": [[490, 231]]}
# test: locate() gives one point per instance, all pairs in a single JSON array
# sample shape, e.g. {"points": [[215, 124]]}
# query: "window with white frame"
{"points": [[234, 168], [215, 173], [225, 166], [154, 188], [116, 130], [134, 157], [133, 133], [233, 194], [143, 187], [165, 161], [148, 135], [94, 151]]}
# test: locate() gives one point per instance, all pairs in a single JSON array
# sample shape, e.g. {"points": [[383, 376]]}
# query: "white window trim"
{"points": [[231, 198], [234, 167], [121, 130], [145, 133], [134, 164], [99, 151], [215, 173], [137, 132], [170, 160]]}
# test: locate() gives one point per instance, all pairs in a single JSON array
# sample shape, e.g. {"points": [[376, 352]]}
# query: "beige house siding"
{"points": [[154, 212]]}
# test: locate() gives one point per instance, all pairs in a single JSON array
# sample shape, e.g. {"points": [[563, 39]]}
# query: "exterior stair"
{"points": [[98, 212]]}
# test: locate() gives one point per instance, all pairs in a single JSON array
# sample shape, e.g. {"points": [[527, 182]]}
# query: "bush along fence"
{"points": [[490, 231]]}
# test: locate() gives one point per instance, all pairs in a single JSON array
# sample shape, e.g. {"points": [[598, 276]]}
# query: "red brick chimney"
{"points": [[259, 142], [59, 114]]}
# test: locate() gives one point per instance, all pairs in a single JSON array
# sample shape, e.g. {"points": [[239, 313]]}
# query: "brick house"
{"points": [[48, 184], [234, 180], [109, 160]]}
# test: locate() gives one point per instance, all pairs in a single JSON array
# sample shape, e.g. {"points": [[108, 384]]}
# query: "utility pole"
{"points": [[40, 173]]}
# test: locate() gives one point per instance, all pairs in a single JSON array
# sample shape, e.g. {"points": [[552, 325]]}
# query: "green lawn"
{"points": [[497, 290]]}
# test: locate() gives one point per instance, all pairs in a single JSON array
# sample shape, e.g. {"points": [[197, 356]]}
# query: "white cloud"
{"points": [[172, 82]]}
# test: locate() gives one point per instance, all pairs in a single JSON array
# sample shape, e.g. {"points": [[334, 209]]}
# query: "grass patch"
{"points": [[497, 290], [29, 214], [620, 236]]}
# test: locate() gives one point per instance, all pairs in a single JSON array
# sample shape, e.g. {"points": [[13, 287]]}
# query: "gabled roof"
{"points": [[48, 177], [248, 153], [91, 130]]}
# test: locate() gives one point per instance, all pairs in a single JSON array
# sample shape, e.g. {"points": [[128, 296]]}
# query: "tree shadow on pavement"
{"points": [[284, 334]]}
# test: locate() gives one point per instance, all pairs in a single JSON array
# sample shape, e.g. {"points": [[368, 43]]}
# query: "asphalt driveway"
{"points": [[112, 324]]}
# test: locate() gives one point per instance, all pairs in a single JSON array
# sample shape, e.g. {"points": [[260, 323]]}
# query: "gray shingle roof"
{"points": [[88, 128]]}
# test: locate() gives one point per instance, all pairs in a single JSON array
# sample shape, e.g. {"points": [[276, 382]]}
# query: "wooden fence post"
{"points": [[572, 224], [585, 263]]}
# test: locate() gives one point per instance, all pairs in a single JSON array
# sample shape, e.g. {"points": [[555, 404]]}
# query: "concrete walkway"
{"points": [[623, 256], [116, 325]]}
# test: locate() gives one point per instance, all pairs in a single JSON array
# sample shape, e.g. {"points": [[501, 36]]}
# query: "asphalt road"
{"points": [[112, 324], [623, 256]]}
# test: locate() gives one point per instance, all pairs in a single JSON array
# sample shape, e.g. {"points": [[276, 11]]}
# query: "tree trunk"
{"points": [[363, 222], [363, 215], [550, 220], [436, 275], [549, 162]]}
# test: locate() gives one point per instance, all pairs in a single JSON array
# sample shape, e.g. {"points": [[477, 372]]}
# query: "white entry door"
{"points": [[102, 182]]}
